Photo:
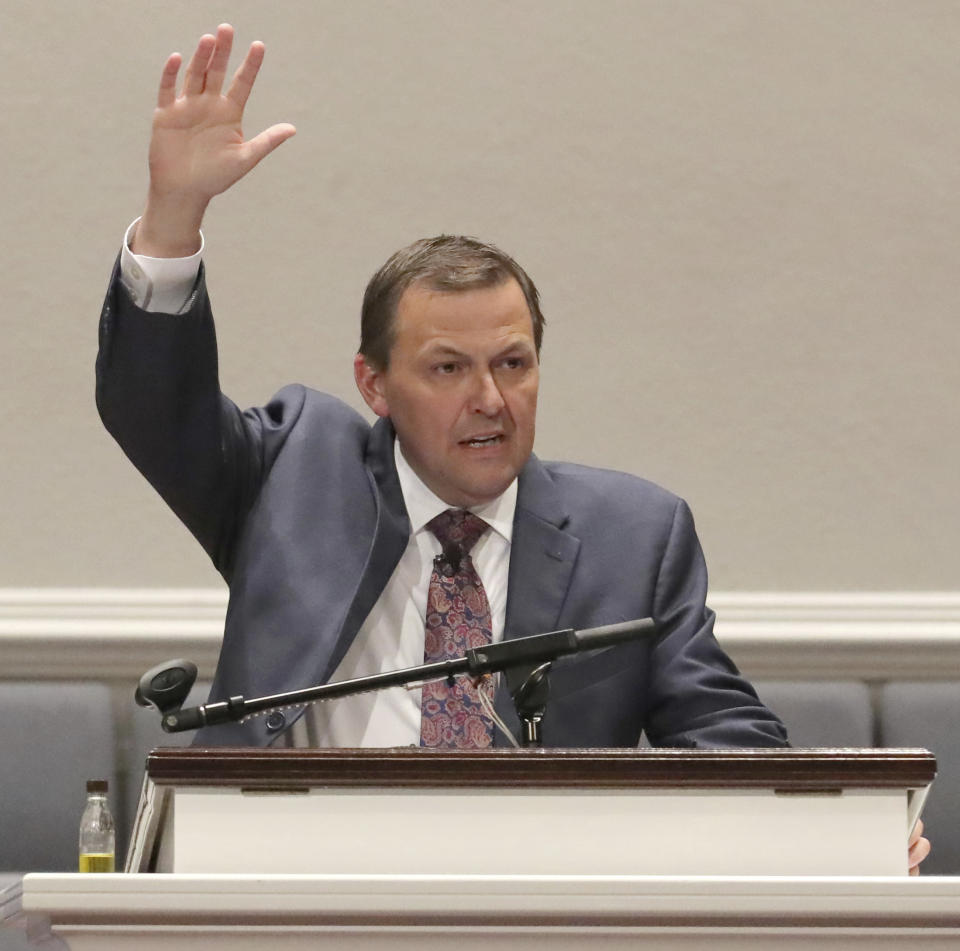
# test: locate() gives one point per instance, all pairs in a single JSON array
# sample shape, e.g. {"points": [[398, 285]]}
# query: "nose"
{"points": [[487, 398]]}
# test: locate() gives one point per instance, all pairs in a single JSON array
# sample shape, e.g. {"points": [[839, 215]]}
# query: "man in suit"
{"points": [[318, 522]]}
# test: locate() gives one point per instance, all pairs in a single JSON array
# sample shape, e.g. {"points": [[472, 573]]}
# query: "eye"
{"points": [[513, 363], [446, 369]]}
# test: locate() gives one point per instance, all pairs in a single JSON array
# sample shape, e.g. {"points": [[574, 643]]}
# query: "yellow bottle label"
{"points": [[96, 862]]}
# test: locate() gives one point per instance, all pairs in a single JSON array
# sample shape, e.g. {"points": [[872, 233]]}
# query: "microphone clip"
{"points": [[448, 562]]}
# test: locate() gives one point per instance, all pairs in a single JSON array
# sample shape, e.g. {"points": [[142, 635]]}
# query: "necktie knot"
{"points": [[457, 529]]}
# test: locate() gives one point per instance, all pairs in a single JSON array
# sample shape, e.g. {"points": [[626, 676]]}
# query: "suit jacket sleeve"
{"points": [[159, 396], [697, 697]]}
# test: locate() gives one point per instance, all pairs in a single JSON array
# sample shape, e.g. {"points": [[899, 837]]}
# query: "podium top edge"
{"points": [[786, 770]]}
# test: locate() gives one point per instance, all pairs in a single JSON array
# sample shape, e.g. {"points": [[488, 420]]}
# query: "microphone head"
{"points": [[167, 685]]}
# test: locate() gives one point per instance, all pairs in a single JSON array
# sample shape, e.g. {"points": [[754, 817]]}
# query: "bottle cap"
{"points": [[97, 785]]}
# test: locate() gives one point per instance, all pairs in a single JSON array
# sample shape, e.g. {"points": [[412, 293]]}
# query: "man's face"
{"points": [[461, 388]]}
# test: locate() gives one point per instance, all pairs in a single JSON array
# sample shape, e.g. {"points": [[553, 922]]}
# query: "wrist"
{"points": [[169, 227]]}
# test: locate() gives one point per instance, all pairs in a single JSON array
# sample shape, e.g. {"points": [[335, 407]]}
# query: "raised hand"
{"points": [[197, 149]]}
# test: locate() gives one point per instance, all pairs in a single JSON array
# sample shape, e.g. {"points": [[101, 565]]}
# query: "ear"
{"points": [[370, 383]]}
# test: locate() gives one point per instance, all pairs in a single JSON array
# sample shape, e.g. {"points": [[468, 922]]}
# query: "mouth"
{"points": [[483, 442]]}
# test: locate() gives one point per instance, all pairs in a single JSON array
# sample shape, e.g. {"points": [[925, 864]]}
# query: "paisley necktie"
{"points": [[458, 619]]}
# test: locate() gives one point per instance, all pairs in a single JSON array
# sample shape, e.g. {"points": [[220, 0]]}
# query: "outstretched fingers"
{"points": [[207, 70]]}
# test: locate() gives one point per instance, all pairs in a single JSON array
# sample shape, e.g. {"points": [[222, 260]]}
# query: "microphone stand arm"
{"points": [[539, 649]]}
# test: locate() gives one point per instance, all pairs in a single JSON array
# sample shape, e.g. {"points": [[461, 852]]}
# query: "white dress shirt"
{"points": [[392, 636]]}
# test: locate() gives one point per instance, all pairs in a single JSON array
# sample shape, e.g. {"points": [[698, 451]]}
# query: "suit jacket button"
{"points": [[276, 721]]}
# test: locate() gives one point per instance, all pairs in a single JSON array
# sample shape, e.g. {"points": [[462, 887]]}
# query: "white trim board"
{"points": [[117, 633]]}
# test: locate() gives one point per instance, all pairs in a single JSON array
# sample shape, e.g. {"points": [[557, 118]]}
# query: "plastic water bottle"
{"points": [[97, 836]]}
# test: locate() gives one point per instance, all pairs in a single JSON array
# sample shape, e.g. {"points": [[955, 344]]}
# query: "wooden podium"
{"points": [[520, 849], [532, 812]]}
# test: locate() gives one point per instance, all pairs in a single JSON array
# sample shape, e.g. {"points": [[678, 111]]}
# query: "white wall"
{"points": [[743, 217]]}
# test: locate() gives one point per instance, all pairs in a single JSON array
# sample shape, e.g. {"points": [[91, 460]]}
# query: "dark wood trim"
{"points": [[787, 770]]}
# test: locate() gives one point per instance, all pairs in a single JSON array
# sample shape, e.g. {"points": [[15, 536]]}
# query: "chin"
{"points": [[478, 485], [481, 494]]}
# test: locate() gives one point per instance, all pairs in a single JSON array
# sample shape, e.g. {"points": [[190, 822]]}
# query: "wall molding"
{"points": [[863, 635], [117, 633]]}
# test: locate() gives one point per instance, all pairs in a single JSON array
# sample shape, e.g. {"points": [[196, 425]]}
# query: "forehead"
{"points": [[425, 314]]}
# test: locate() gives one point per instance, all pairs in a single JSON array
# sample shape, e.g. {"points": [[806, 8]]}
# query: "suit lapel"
{"points": [[542, 559], [390, 537], [542, 555]]}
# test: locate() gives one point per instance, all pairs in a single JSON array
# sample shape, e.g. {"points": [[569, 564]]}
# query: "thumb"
{"points": [[260, 146]]}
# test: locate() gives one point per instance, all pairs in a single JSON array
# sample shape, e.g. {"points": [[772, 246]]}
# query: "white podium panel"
{"points": [[533, 832]]}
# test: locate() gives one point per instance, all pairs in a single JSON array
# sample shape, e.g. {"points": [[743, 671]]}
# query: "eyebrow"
{"points": [[440, 350]]}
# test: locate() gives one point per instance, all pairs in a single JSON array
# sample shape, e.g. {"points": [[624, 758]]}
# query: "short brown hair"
{"points": [[445, 263]]}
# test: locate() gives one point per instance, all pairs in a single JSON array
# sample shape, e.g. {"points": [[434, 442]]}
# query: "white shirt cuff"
{"points": [[158, 285]]}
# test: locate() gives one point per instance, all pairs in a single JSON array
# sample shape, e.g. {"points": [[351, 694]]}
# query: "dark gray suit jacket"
{"points": [[299, 506]]}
